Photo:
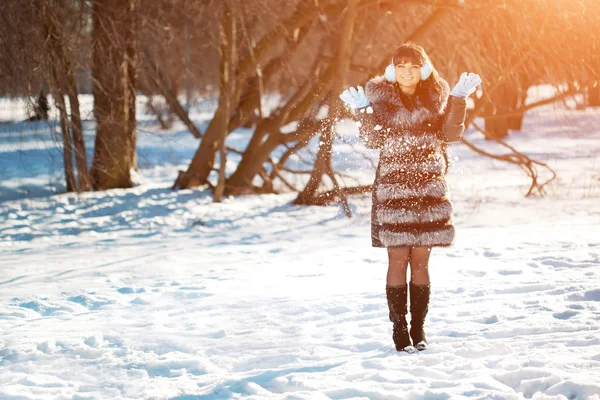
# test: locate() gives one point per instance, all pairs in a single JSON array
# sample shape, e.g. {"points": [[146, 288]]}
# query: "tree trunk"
{"points": [[60, 57], [67, 141], [204, 158], [84, 179], [56, 88], [497, 128], [226, 87], [594, 94], [251, 163], [114, 80], [511, 99], [41, 107], [516, 121], [56, 68]]}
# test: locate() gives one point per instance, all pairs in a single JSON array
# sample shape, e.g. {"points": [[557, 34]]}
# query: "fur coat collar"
{"points": [[387, 104]]}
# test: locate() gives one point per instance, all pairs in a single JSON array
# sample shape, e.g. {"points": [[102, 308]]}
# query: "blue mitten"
{"points": [[355, 98]]}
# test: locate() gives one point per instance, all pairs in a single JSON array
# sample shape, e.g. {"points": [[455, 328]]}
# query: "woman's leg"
{"points": [[397, 296], [398, 264], [419, 265], [419, 294]]}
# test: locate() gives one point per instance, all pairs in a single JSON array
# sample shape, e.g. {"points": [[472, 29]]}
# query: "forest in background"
{"points": [[305, 51]]}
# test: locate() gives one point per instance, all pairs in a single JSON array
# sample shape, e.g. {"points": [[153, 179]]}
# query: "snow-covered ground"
{"points": [[154, 294]]}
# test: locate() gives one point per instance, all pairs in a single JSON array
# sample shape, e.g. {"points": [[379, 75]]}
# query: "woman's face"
{"points": [[408, 74]]}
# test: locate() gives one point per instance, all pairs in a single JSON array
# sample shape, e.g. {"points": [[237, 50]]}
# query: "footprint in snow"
{"points": [[128, 290], [590, 295], [490, 254], [563, 262], [492, 319], [372, 307], [306, 276], [43, 308], [565, 314], [338, 310], [477, 274], [89, 301], [510, 272], [182, 294]]}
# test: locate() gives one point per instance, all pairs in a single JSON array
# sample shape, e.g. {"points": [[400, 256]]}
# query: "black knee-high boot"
{"points": [[419, 305], [397, 297]]}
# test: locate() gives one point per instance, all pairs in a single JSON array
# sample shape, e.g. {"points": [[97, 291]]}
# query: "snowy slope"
{"points": [[153, 294]]}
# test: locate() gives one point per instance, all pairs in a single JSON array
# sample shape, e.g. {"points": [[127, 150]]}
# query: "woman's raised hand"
{"points": [[466, 85], [355, 98]]}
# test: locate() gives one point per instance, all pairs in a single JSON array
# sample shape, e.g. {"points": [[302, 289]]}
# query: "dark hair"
{"points": [[414, 53]]}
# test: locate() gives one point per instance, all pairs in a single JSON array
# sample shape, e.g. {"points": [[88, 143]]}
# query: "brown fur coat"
{"points": [[411, 206]]}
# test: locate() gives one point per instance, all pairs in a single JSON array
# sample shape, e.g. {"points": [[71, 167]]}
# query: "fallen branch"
{"points": [[517, 158], [328, 197]]}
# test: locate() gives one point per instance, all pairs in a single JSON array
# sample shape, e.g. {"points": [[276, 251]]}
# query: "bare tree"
{"points": [[341, 65], [114, 77], [288, 30], [63, 83], [36, 52]]}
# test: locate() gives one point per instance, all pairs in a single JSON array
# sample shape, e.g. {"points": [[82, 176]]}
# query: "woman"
{"points": [[410, 114]]}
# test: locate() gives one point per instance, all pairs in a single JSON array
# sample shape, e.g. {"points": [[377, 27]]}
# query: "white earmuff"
{"points": [[390, 73], [426, 70]]}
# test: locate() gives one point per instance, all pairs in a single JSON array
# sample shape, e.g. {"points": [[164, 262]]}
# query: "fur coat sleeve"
{"points": [[453, 125]]}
